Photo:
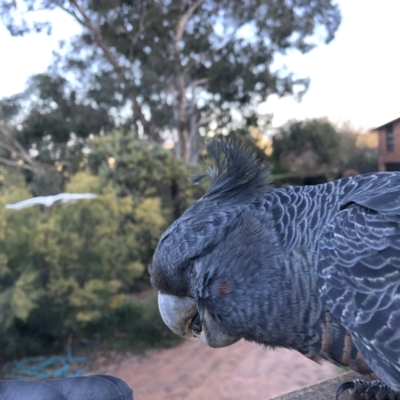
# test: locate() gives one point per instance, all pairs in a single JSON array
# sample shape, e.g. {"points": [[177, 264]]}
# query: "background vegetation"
{"points": [[170, 68], [123, 112], [70, 268]]}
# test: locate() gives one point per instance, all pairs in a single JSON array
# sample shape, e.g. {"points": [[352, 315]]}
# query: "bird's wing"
{"points": [[50, 200], [359, 277], [71, 197], [77, 196], [27, 203]]}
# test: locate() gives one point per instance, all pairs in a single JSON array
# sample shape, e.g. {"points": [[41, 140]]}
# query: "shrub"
{"points": [[68, 268]]}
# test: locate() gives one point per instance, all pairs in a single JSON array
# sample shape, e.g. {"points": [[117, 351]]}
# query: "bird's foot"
{"points": [[368, 390]]}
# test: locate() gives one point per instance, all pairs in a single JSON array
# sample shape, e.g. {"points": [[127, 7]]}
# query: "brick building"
{"points": [[389, 146]]}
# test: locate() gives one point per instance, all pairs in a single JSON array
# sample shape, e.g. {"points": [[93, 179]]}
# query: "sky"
{"points": [[355, 79]]}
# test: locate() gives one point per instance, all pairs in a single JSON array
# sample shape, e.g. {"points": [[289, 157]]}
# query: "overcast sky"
{"points": [[355, 78]]}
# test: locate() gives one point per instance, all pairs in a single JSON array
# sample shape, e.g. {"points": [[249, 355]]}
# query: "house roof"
{"points": [[387, 123]]}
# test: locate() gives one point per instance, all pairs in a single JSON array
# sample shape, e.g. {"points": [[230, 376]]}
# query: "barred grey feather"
{"points": [[313, 268], [359, 271]]}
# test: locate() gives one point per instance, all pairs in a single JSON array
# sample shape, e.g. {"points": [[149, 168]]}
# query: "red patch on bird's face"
{"points": [[223, 288]]}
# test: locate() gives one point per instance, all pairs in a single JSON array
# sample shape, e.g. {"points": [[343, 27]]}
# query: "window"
{"points": [[389, 138], [392, 167]]}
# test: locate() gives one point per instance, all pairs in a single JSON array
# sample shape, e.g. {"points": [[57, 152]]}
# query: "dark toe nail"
{"points": [[372, 390], [343, 387]]}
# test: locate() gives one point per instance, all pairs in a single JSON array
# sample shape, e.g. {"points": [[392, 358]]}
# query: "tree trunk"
{"points": [[195, 139], [186, 126]]}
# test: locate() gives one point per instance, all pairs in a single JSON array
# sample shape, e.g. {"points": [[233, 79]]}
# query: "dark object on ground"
{"points": [[95, 387], [315, 268]]}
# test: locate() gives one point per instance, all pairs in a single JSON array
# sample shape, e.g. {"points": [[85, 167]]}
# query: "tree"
{"points": [[182, 64], [65, 269], [12, 153], [358, 151], [49, 141], [143, 170], [316, 147], [308, 147]]}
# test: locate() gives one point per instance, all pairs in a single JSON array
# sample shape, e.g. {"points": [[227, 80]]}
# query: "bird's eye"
{"points": [[196, 325]]}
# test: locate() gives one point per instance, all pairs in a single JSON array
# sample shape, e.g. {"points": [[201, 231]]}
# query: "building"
{"points": [[389, 146]]}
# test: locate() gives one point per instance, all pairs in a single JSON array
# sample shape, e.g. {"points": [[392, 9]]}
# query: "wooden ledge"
{"points": [[324, 390]]}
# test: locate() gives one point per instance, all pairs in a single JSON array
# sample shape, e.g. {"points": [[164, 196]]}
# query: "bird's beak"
{"points": [[178, 312]]}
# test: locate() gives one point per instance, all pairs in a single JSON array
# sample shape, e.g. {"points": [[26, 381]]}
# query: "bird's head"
{"points": [[206, 266]]}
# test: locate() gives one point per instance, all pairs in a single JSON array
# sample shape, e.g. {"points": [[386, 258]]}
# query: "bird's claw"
{"points": [[343, 387], [368, 390]]}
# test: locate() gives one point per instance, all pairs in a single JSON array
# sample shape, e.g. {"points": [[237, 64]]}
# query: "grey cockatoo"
{"points": [[314, 268]]}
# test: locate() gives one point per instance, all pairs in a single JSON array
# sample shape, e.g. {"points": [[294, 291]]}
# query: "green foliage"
{"points": [[141, 169], [54, 127], [306, 148], [361, 157], [64, 266], [318, 135], [312, 151], [71, 268], [143, 34], [179, 65], [10, 107], [55, 124]]}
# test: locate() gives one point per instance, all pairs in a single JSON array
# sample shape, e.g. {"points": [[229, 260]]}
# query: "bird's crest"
{"points": [[236, 171]]}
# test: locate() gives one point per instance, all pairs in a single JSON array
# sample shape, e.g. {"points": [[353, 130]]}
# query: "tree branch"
{"points": [[198, 82], [97, 36], [17, 164], [70, 12], [25, 160], [210, 117], [180, 95], [184, 18], [84, 20], [142, 27]]}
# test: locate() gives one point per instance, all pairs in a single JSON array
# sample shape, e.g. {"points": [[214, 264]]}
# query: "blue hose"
{"points": [[37, 368]]}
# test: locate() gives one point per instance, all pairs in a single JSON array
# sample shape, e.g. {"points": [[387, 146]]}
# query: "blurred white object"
{"points": [[48, 201]]}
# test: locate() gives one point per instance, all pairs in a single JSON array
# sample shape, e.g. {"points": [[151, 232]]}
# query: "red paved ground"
{"points": [[243, 371]]}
